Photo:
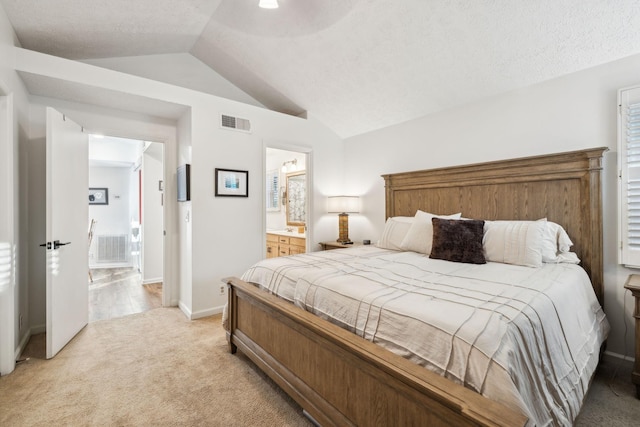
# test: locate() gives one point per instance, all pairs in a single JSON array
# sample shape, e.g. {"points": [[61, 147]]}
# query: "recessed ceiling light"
{"points": [[268, 4]]}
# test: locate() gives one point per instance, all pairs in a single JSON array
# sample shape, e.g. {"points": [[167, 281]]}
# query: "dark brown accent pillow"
{"points": [[458, 240]]}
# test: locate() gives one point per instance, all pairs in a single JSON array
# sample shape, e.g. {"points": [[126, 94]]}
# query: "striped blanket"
{"points": [[526, 337]]}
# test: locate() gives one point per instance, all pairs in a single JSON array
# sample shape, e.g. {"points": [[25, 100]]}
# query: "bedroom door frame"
{"points": [[308, 154], [169, 204]]}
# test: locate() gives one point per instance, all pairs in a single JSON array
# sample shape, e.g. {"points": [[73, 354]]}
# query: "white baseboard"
{"points": [[206, 313], [103, 265], [199, 314], [22, 345], [185, 310], [148, 281], [619, 356]]}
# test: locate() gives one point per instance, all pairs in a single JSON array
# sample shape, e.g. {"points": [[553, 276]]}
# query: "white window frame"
{"points": [[629, 176]]}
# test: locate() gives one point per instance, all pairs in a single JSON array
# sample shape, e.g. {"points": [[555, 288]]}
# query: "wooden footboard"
{"points": [[341, 379]]}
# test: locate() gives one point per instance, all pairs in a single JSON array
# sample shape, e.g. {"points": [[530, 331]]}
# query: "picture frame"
{"points": [[231, 183], [98, 196]]}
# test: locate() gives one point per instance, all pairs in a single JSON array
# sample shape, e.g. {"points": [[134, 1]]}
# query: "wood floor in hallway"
{"points": [[118, 292]]}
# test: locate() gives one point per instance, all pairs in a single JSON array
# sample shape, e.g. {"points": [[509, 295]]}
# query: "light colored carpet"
{"points": [[157, 368], [152, 368], [611, 400]]}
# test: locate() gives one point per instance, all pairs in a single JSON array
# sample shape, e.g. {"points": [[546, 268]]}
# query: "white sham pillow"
{"points": [[395, 229], [567, 258], [514, 242], [556, 241], [419, 238]]}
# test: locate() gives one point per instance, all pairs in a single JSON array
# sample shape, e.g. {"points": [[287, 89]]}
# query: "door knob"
{"points": [[57, 244], [48, 245]]}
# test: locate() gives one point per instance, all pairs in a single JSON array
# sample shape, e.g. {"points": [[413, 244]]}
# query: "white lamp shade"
{"points": [[268, 4], [343, 204]]}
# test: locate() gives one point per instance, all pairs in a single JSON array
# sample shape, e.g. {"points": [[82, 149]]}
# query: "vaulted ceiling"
{"points": [[356, 65]]}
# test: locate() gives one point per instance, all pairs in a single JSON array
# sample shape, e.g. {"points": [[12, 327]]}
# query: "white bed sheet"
{"points": [[526, 337]]}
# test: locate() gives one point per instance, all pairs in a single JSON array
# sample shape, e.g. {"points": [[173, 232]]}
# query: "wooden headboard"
{"points": [[565, 188]]}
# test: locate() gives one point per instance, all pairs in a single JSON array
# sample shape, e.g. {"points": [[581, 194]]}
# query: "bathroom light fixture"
{"points": [[290, 166], [343, 205], [268, 4]]}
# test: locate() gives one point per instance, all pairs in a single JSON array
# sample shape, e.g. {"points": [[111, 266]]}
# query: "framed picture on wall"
{"points": [[231, 183], [98, 196]]}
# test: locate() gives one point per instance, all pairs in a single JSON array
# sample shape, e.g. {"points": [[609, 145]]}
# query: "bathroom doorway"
{"points": [[287, 204]]}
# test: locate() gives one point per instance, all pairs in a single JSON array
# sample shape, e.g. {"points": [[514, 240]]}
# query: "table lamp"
{"points": [[343, 205]]}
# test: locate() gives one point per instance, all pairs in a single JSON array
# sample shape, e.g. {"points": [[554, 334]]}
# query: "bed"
{"points": [[340, 378]]}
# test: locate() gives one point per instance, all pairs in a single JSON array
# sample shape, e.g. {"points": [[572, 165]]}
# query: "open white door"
{"points": [[67, 225]]}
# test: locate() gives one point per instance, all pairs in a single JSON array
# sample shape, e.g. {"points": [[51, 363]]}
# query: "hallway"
{"points": [[118, 292]]}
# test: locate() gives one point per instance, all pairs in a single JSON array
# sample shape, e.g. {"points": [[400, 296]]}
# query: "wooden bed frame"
{"points": [[341, 379]]}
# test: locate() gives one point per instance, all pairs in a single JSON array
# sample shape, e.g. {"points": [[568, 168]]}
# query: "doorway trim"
{"points": [[169, 208]]}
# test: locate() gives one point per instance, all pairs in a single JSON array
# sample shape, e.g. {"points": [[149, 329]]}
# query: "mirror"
{"points": [[296, 198]]}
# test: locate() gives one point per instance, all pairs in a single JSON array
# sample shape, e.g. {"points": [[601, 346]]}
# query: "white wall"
{"points": [[152, 222], [570, 113]]}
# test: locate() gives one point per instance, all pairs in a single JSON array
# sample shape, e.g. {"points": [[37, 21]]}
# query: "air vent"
{"points": [[235, 123], [112, 248]]}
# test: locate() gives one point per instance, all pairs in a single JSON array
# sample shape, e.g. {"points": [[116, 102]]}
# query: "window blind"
{"points": [[273, 188], [629, 174]]}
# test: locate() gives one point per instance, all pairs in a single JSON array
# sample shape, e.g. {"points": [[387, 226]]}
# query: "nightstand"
{"points": [[633, 284], [335, 245]]}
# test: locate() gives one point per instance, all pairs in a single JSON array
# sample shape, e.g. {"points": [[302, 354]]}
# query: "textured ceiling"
{"points": [[81, 29], [356, 65]]}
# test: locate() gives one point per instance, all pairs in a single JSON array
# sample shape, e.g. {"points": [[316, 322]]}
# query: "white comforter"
{"points": [[526, 337]]}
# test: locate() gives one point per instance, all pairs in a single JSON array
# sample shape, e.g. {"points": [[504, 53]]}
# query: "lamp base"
{"points": [[343, 228]]}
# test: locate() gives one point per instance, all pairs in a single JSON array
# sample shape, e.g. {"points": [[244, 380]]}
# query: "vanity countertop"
{"points": [[293, 233]]}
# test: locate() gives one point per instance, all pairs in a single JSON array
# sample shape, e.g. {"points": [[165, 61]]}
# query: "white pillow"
{"points": [[514, 242], [568, 258], [419, 238], [556, 245], [394, 231]]}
